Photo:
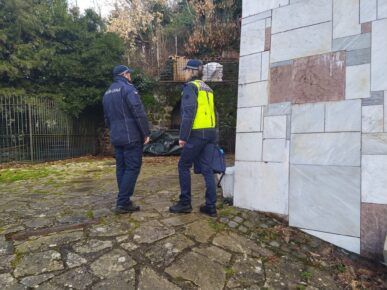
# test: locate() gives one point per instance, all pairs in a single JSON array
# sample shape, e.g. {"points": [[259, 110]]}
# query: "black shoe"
{"points": [[211, 211], [126, 209], [180, 208]]}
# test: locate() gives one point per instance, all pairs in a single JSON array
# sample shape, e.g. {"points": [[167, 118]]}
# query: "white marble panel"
{"points": [[252, 37], [325, 198], [374, 179], [253, 94], [250, 68], [262, 186], [275, 150], [306, 41], [274, 127], [251, 7], [301, 14], [379, 55], [348, 243], [341, 149], [382, 9], [308, 118], [257, 17], [265, 65], [248, 147], [268, 22], [374, 144], [249, 119], [343, 116], [385, 111], [372, 119], [368, 10], [358, 83], [346, 18]]}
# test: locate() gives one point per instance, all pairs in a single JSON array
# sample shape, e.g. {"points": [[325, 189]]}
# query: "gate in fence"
{"points": [[35, 129]]}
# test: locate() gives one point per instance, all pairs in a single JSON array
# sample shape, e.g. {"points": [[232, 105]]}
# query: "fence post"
{"points": [[31, 139]]}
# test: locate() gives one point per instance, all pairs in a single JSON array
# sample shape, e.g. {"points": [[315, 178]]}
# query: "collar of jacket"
{"points": [[121, 79]]}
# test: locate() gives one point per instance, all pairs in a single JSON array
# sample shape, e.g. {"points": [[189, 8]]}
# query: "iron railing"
{"points": [[35, 129]]}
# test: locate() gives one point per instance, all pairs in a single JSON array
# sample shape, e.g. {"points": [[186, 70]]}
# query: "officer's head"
{"points": [[194, 68], [122, 70]]}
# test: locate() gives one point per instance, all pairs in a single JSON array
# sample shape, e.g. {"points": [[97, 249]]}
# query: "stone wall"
{"points": [[312, 117]]}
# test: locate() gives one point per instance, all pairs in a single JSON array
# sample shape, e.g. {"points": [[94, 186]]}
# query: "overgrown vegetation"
{"points": [[48, 50], [12, 175]]}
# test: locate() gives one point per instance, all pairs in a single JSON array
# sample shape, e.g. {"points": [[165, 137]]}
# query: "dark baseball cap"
{"points": [[120, 69], [193, 64]]}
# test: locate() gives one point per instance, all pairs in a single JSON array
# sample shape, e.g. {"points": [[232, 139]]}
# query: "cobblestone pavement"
{"points": [[57, 231]]}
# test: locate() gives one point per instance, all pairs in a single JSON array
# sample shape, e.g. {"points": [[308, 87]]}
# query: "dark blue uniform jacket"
{"points": [[124, 113]]}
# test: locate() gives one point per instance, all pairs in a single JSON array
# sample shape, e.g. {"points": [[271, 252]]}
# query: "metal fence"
{"points": [[35, 129]]}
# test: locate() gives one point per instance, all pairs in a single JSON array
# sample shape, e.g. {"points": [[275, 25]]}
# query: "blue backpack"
{"points": [[218, 161]]}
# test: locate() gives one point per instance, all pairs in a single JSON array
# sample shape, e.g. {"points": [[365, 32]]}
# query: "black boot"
{"points": [[127, 209], [211, 211], [180, 208]]}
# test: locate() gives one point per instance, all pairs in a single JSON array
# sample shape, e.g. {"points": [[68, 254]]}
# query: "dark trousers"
{"points": [[128, 166], [197, 149]]}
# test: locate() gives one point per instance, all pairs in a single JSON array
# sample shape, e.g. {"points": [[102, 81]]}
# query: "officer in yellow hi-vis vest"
{"points": [[198, 134]]}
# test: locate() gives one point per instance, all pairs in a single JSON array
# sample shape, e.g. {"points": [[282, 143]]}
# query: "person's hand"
{"points": [[146, 140], [182, 143]]}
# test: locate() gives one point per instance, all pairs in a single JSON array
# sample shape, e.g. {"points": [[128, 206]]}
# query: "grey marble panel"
{"points": [[281, 63], [359, 56], [354, 42], [377, 98], [325, 198], [341, 149]]}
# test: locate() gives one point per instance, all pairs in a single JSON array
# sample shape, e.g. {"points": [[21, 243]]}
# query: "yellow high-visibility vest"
{"points": [[205, 114]]}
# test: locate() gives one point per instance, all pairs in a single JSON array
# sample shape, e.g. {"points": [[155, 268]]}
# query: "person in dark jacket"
{"points": [[198, 134], [129, 130]]}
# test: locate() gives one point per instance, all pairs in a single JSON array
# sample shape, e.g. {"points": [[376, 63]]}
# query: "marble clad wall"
{"points": [[312, 117]]}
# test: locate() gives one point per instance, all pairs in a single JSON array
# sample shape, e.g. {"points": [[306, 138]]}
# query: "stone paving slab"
{"points": [[60, 232]]}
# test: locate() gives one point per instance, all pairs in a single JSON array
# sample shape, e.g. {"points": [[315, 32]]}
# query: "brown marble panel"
{"points": [[373, 230], [317, 78], [281, 84], [268, 38], [366, 27]]}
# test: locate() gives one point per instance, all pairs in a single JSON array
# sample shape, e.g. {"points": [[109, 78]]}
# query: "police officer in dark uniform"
{"points": [[198, 133], [129, 130]]}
